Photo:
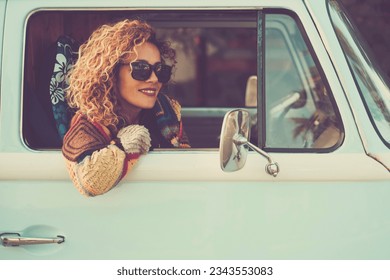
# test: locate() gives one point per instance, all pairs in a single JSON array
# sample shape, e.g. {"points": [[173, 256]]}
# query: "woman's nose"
{"points": [[153, 78]]}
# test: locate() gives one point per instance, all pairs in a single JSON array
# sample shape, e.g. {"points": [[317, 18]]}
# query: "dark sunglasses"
{"points": [[141, 71]]}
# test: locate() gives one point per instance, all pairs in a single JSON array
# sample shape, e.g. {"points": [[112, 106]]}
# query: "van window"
{"points": [[372, 83], [217, 70], [216, 53], [299, 108]]}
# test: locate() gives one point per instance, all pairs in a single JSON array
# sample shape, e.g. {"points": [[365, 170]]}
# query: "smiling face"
{"points": [[139, 94]]}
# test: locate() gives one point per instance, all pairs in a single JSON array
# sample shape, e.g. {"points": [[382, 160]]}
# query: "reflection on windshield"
{"points": [[371, 83]]}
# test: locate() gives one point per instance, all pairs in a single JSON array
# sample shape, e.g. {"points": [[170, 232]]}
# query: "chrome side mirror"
{"points": [[235, 124], [234, 143]]}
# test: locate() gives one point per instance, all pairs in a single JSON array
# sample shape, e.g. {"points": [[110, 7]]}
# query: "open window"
{"points": [[216, 53], [227, 59]]}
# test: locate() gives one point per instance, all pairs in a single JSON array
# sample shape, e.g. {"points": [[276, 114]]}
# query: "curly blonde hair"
{"points": [[92, 80]]}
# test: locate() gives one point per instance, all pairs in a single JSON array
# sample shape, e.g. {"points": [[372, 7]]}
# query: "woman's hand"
{"points": [[135, 139]]}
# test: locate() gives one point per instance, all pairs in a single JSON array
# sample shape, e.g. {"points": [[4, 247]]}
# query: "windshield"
{"points": [[372, 84]]}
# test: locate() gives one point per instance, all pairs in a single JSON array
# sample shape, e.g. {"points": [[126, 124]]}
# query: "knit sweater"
{"points": [[95, 157]]}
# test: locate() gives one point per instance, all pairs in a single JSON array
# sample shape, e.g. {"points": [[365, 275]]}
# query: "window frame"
{"points": [[114, 15], [261, 26], [261, 90], [365, 53]]}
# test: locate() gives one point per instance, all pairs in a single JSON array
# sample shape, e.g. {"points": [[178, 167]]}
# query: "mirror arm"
{"points": [[272, 168]]}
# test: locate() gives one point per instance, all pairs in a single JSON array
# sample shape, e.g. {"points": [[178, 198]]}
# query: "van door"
{"points": [[327, 202], [2, 16]]}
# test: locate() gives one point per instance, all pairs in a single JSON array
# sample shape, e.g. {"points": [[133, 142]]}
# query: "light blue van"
{"points": [[281, 92]]}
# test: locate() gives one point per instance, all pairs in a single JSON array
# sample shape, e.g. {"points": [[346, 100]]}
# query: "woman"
{"points": [[115, 86]]}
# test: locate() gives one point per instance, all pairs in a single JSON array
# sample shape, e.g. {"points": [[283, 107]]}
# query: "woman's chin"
{"points": [[149, 104]]}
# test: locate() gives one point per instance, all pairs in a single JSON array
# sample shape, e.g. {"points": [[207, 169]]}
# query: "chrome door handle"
{"points": [[14, 239]]}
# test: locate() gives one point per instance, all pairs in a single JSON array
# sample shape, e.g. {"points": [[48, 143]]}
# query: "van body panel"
{"points": [[222, 220], [2, 21], [179, 204]]}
